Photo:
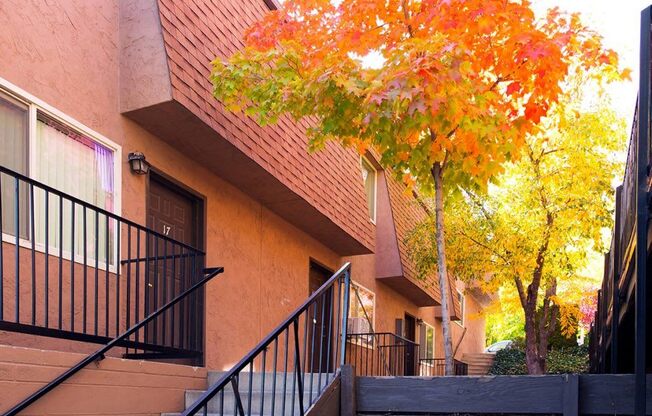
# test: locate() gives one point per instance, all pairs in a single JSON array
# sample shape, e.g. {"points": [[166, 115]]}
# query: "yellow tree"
{"points": [[460, 85], [538, 227]]}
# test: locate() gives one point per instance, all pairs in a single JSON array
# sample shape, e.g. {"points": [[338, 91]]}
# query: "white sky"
{"points": [[619, 23]]}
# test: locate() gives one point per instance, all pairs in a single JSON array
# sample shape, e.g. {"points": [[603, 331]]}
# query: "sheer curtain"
{"points": [[76, 165], [14, 122]]}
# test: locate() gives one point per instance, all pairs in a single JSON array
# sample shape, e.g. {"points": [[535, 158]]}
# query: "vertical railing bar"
{"points": [[275, 374], [155, 290], [106, 277], [60, 260], [321, 345], [222, 402], [191, 314], [305, 344], [85, 256], [338, 321], [251, 386], [262, 382], [345, 316], [137, 285], [33, 238], [72, 266], [165, 291], [183, 314], [297, 364], [97, 270], [285, 369], [311, 360], [197, 304], [236, 393], [146, 286], [117, 280], [330, 334], [17, 262], [128, 300], [174, 291]]}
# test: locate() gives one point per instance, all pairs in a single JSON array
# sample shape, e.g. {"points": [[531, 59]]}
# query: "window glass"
{"points": [[460, 298], [73, 163], [14, 141], [361, 312], [427, 341], [369, 179]]}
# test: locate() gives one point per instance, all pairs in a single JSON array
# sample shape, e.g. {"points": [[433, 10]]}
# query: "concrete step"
{"points": [[270, 395], [257, 379], [268, 399]]}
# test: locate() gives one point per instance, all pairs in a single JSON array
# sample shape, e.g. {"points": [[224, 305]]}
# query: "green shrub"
{"points": [[510, 361], [568, 360]]}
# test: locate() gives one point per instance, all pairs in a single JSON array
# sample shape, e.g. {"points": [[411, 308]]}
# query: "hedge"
{"points": [[511, 361]]}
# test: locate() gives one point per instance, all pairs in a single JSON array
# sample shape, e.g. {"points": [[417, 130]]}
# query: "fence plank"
{"points": [[348, 403], [482, 394], [610, 394], [571, 395]]}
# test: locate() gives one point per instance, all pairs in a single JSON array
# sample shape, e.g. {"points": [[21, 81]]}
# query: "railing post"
{"points": [[640, 341], [345, 315]]}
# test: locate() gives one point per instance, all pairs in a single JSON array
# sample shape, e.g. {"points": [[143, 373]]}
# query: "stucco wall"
{"points": [[110, 387]]}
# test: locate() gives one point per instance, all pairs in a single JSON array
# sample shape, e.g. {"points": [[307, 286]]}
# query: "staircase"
{"points": [[267, 392], [479, 363]]}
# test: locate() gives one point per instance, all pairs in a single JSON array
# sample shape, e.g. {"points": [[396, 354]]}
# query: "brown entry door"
{"points": [[410, 353], [320, 323], [174, 213]]}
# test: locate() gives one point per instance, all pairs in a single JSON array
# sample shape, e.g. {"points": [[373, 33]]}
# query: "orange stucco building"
{"points": [[125, 76]]}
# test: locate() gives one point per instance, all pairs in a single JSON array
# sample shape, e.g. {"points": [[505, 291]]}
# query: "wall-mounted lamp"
{"points": [[138, 164]]}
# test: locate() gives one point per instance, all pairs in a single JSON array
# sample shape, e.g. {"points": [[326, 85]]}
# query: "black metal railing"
{"points": [[382, 354], [289, 369], [127, 338], [432, 367], [71, 270]]}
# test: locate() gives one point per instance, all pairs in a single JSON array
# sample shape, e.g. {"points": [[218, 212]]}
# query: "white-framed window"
{"points": [[461, 300], [41, 143], [427, 343], [362, 310], [370, 179]]}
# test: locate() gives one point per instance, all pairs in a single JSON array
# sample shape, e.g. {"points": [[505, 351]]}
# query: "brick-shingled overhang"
{"points": [[166, 50]]}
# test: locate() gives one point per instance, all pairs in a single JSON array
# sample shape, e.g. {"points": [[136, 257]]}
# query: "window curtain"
{"points": [[78, 166], [14, 122]]}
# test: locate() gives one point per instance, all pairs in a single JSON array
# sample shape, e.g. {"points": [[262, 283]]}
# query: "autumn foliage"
{"points": [[454, 89], [461, 80]]}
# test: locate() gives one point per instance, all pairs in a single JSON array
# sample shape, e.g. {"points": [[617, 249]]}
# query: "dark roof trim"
{"points": [[272, 4]]}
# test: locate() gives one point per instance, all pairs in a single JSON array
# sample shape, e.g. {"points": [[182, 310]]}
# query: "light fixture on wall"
{"points": [[138, 164]]}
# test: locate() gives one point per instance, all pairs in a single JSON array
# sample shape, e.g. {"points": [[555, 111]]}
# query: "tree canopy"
{"points": [[534, 232]]}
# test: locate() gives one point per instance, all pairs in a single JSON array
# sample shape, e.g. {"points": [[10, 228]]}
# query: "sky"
{"points": [[619, 24]]}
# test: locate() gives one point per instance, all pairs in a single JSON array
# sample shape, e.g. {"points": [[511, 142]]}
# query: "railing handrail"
{"points": [[210, 273], [97, 209], [262, 345]]}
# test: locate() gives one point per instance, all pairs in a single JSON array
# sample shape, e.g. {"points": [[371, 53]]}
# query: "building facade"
{"points": [[84, 84]]}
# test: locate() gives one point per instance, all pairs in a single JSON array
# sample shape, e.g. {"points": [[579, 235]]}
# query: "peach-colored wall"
{"points": [[111, 387]]}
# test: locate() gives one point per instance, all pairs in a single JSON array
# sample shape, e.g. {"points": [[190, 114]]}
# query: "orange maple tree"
{"points": [[455, 87]]}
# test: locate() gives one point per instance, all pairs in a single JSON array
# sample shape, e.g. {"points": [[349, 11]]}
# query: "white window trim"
{"points": [[373, 220], [460, 321], [35, 105], [373, 315]]}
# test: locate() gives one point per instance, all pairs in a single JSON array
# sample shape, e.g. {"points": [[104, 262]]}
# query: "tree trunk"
{"points": [[532, 359], [438, 176]]}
